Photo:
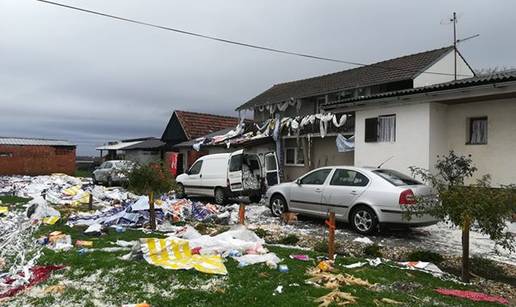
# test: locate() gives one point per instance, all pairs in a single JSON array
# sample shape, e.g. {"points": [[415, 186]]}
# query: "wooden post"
{"points": [[331, 236], [90, 202], [241, 214], [152, 213]]}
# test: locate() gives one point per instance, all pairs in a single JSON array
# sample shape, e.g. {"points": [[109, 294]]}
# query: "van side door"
{"points": [[235, 171], [271, 169], [192, 183]]}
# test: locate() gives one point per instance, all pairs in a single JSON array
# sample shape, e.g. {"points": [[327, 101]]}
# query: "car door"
{"points": [[271, 169], [344, 187], [192, 182], [235, 170], [306, 194], [104, 171]]}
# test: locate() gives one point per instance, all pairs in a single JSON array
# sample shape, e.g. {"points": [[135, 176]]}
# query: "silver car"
{"points": [[364, 197], [112, 172]]}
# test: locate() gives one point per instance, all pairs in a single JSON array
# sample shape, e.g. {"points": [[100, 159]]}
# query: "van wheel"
{"points": [[180, 191], [364, 220], [255, 198], [278, 205], [220, 196]]}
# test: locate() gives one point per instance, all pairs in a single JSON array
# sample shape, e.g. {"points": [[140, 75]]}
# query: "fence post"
{"points": [[331, 235], [241, 214], [90, 202]]}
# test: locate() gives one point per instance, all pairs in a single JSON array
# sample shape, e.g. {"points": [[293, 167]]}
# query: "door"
{"points": [[306, 194], [192, 183], [343, 189], [271, 169], [235, 171], [104, 171]]}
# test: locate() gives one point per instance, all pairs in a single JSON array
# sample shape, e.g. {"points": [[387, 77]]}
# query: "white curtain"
{"points": [[387, 128], [479, 131]]}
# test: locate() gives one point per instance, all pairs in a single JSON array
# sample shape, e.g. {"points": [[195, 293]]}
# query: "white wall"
{"points": [[411, 147], [438, 133], [444, 65], [498, 156]]}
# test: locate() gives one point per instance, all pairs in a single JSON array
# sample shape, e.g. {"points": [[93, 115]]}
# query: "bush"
{"points": [[290, 239], [424, 255], [372, 250]]}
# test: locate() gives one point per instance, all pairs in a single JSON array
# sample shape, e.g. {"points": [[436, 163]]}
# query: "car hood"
{"points": [[280, 186], [181, 177]]}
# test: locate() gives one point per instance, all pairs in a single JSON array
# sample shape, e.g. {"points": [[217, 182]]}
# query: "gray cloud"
{"points": [[90, 79]]}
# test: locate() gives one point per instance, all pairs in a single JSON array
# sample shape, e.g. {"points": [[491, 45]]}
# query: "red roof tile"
{"points": [[199, 124]]}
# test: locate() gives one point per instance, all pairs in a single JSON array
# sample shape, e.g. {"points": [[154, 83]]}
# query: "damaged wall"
{"points": [[36, 160]]}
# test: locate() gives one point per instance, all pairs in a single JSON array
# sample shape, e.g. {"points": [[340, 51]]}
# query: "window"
{"points": [[317, 177], [294, 156], [387, 128], [477, 131], [396, 178], [380, 129], [106, 165], [235, 164], [344, 177], [196, 168], [6, 154], [270, 162]]}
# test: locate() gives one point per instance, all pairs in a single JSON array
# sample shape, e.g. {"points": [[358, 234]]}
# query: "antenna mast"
{"points": [[454, 20]]}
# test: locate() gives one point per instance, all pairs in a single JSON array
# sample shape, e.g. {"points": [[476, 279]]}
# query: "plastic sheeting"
{"points": [[345, 144]]}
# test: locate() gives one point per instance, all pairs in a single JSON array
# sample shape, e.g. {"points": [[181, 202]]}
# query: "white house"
{"points": [[474, 116]]}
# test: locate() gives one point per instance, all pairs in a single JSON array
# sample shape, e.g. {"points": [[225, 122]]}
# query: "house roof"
{"points": [[117, 145], [151, 143], [199, 124], [33, 141], [509, 76], [191, 142], [398, 69]]}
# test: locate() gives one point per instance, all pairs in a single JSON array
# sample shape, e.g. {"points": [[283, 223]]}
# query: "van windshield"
{"points": [[396, 178]]}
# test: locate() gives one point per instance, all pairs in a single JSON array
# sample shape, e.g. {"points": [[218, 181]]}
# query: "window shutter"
{"points": [[371, 129]]}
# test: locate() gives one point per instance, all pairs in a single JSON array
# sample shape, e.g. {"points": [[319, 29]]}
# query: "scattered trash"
{"points": [[336, 297], [354, 265], [136, 305], [385, 300], [283, 268], [59, 241], [473, 296], [249, 259], [279, 290], [55, 289], [325, 265], [374, 262], [15, 284], [364, 240], [300, 257], [4, 210], [175, 254], [94, 229], [422, 266], [83, 243]]}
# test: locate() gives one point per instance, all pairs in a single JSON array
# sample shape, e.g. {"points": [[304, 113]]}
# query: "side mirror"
{"points": [[298, 181]]}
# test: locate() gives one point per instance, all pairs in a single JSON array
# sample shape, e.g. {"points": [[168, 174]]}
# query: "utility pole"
{"points": [[454, 20]]}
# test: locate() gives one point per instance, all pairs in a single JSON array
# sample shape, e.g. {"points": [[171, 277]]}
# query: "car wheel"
{"points": [[255, 198], [220, 196], [278, 205], [364, 220], [180, 191]]}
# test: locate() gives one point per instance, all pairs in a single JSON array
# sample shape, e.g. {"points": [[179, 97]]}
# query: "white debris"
{"points": [[364, 240], [278, 290], [355, 265]]}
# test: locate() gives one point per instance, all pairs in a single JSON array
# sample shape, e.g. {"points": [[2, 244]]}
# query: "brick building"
{"points": [[28, 156]]}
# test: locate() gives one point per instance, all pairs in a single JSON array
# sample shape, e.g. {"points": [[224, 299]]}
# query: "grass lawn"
{"points": [[100, 277], [83, 173], [14, 202]]}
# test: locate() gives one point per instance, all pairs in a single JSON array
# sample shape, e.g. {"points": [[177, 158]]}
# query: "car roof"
{"points": [[214, 156]]}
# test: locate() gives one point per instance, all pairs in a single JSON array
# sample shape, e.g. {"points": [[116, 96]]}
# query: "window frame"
{"points": [[470, 130], [300, 180], [378, 129], [200, 168], [296, 156], [348, 170]]}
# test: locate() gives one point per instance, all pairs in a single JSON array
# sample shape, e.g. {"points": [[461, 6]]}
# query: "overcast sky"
{"points": [[90, 79]]}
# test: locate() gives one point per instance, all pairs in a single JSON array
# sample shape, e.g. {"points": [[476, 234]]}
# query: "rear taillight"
{"points": [[407, 197]]}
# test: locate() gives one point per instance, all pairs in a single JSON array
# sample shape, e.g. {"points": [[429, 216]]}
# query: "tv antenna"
{"points": [[454, 20]]}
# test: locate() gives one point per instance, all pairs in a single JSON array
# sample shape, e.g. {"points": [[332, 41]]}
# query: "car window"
{"points": [[317, 177], [235, 164], [196, 168], [345, 177], [396, 178], [107, 165]]}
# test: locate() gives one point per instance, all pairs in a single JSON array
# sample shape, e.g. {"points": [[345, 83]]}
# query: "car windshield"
{"points": [[396, 178], [123, 164]]}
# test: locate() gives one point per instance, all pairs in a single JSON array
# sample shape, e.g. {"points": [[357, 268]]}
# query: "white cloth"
{"points": [[323, 123], [345, 145], [340, 122]]}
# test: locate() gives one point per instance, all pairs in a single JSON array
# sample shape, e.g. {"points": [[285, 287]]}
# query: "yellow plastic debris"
{"points": [[337, 297], [50, 220], [175, 254], [72, 191], [4, 210]]}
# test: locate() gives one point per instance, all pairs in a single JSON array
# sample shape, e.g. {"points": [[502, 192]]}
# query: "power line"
{"points": [[227, 41]]}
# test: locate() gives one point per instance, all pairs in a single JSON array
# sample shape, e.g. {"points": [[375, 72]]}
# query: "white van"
{"points": [[229, 175]]}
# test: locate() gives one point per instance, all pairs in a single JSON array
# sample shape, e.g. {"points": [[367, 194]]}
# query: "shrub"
{"points": [[372, 250], [424, 255]]}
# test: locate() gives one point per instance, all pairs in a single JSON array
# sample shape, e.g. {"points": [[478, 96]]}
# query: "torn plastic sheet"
{"points": [[249, 259], [345, 144], [422, 266], [473, 296], [10, 285]]}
